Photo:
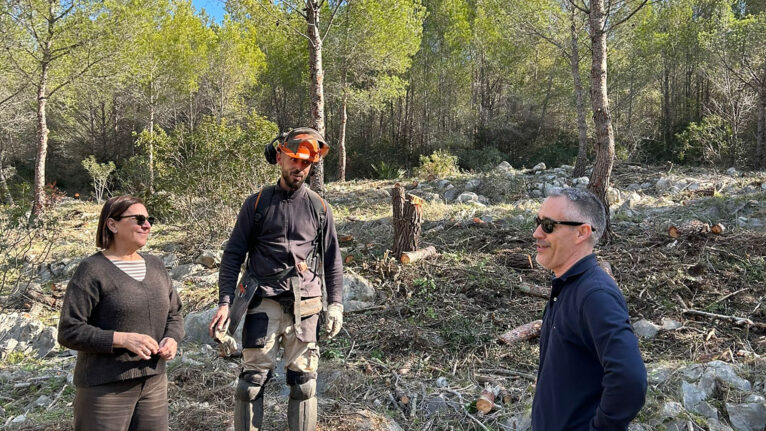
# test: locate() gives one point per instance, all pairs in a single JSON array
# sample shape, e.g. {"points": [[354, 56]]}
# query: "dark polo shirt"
{"points": [[591, 375]]}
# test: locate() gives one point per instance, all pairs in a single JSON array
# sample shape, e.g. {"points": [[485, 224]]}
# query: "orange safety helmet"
{"points": [[304, 143]]}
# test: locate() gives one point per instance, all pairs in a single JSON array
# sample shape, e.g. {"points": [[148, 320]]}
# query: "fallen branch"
{"points": [[739, 321], [413, 256], [504, 372], [539, 291], [524, 332]]}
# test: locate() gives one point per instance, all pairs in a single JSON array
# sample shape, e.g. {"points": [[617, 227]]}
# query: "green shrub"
{"points": [[99, 173], [388, 172], [133, 176], [209, 172], [709, 142], [481, 159], [440, 164]]}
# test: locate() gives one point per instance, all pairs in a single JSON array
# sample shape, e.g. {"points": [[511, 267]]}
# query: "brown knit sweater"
{"points": [[101, 299]]}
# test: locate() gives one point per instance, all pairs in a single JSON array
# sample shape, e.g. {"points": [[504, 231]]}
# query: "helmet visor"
{"points": [[304, 147]]}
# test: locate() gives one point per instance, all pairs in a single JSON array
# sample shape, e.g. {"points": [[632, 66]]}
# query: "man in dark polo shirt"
{"points": [[288, 234], [591, 374]]}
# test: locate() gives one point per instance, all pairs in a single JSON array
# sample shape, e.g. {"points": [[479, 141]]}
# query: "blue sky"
{"points": [[214, 8]]}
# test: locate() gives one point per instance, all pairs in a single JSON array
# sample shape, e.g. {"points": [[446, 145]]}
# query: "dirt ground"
{"points": [[440, 318]]}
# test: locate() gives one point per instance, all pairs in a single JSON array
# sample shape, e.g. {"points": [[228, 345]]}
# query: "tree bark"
{"points": [[342, 139], [582, 126], [150, 148], [407, 220], [316, 86], [602, 168], [524, 332], [42, 134]]}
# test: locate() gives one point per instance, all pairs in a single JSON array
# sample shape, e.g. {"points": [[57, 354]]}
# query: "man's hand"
{"points": [[219, 319], [141, 344], [168, 347], [334, 319]]}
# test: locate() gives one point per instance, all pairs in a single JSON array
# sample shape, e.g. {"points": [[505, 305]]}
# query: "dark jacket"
{"points": [[288, 236], [101, 299], [591, 374]]}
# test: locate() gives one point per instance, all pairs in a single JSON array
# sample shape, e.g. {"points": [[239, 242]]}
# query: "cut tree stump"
{"points": [[718, 229], [414, 256], [407, 220], [524, 332], [486, 401]]}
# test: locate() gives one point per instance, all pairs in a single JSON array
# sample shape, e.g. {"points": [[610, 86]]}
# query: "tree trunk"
{"points": [[342, 140], [316, 87], [602, 168], [407, 220], [6, 194], [42, 135], [150, 148], [582, 126]]}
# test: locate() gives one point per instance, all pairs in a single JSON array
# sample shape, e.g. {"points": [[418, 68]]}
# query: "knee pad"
{"points": [[250, 384], [302, 385]]}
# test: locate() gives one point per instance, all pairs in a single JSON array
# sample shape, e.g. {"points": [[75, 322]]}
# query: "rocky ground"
{"points": [[420, 341]]}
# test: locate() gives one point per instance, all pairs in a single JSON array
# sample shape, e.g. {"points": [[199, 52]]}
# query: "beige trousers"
{"points": [[268, 327]]}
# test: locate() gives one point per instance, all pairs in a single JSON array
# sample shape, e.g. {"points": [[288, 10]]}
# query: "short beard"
{"points": [[292, 185]]}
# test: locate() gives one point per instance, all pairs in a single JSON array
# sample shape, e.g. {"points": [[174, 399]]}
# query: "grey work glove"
{"points": [[334, 319], [227, 345]]}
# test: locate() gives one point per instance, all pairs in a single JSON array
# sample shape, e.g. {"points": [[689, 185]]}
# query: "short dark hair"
{"points": [[114, 207], [588, 207]]}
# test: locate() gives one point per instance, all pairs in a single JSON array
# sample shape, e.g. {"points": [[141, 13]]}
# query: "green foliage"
{"points": [[440, 164], [210, 171], [388, 172], [481, 159], [133, 175], [708, 142], [99, 173]]}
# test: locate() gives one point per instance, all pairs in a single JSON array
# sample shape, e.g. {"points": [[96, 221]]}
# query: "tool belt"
{"points": [[291, 301]]}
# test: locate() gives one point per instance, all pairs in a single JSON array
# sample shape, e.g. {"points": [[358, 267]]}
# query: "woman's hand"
{"points": [[168, 347], [141, 344]]}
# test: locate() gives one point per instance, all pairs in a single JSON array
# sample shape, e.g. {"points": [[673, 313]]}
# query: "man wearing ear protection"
{"points": [[287, 233], [591, 375]]}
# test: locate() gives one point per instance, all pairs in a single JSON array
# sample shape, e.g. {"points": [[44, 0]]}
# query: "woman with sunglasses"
{"points": [[123, 317]]}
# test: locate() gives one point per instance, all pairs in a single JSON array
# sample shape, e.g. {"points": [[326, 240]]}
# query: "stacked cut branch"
{"points": [[695, 227], [408, 220], [538, 291]]}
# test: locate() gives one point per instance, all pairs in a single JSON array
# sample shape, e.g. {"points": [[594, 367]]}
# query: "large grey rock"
{"points": [[22, 333], [747, 416], [450, 193], [428, 196], [645, 329], [658, 374], [671, 410], [581, 182], [182, 271], [170, 260], [466, 197], [716, 425], [669, 324], [505, 166], [694, 396], [435, 405], [196, 327], [733, 172], [358, 292], [539, 167], [519, 423], [472, 184], [724, 372], [209, 258], [71, 267]]}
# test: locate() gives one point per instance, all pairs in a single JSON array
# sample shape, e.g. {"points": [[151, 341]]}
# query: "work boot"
{"points": [[302, 407], [248, 401]]}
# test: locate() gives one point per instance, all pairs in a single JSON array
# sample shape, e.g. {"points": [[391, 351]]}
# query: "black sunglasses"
{"points": [[140, 219], [549, 224]]}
